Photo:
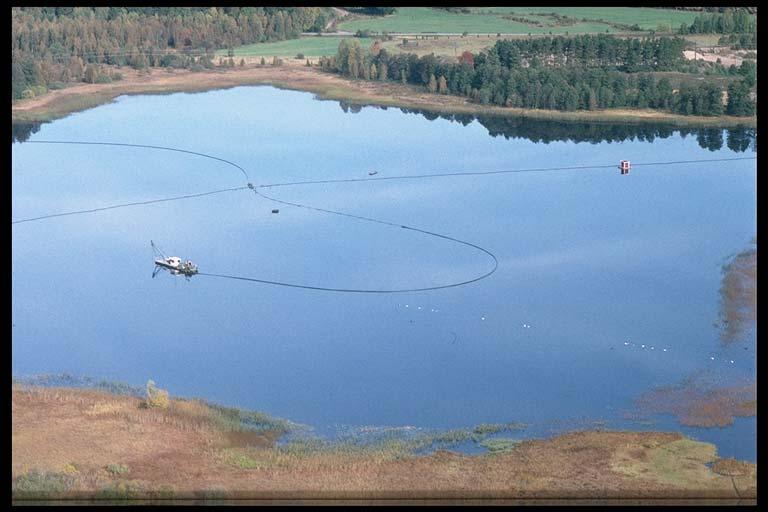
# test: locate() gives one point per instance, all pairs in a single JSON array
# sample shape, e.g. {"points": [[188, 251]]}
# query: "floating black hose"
{"points": [[138, 203], [145, 146], [366, 290], [249, 185], [485, 173], [358, 217]]}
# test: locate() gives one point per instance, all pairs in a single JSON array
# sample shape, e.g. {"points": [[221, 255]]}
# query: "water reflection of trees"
{"points": [[21, 132], [738, 139]]}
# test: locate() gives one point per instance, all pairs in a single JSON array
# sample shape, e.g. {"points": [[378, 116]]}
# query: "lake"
{"points": [[607, 285]]}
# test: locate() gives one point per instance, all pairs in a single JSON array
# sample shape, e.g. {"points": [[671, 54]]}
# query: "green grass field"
{"points": [[310, 46], [489, 20], [482, 20], [646, 18]]}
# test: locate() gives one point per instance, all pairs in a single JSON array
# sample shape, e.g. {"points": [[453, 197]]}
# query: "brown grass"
{"points": [[732, 467], [180, 452], [294, 75]]}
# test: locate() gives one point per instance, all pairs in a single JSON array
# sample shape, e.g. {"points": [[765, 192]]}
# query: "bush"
{"points": [[164, 492], [172, 60], [120, 490], [196, 67], [71, 469], [54, 86], [27, 94], [38, 485], [300, 56], [117, 469], [103, 79], [211, 494], [117, 76], [156, 397]]}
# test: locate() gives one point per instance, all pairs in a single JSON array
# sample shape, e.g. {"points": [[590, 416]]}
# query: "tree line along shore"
{"points": [[54, 48]]}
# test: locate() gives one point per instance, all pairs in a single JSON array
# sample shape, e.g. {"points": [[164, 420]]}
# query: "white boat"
{"points": [[173, 264]]}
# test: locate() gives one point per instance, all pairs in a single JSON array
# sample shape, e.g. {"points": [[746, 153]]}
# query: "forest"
{"points": [[585, 72], [51, 46], [727, 21], [54, 46]]}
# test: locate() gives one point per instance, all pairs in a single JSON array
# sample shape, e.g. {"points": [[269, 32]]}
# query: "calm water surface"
{"points": [[588, 260]]}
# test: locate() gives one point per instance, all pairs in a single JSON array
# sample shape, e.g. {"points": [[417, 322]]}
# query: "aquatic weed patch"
{"points": [[398, 442], [698, 402], [499, 445], [67, 380], [495, 428], [231, 418], [738, 296]]}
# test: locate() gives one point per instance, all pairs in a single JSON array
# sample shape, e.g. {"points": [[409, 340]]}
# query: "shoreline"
{"points": [[83, 443], [327, 86]]}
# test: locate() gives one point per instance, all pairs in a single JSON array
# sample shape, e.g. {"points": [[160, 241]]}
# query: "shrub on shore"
{"points": [[41, 484], [156, 397], [117, 469]]}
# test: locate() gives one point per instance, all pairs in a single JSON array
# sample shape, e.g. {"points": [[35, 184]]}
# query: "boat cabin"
{"points": [[624, 166]]}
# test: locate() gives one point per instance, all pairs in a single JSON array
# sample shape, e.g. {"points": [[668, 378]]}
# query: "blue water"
{"points": [[588, 259]]}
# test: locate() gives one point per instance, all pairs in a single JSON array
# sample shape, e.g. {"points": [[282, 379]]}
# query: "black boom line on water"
{"points": [[145, 146], [348, 215], [368, 290], [249, 185], [138, 203], [486, 173]]}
